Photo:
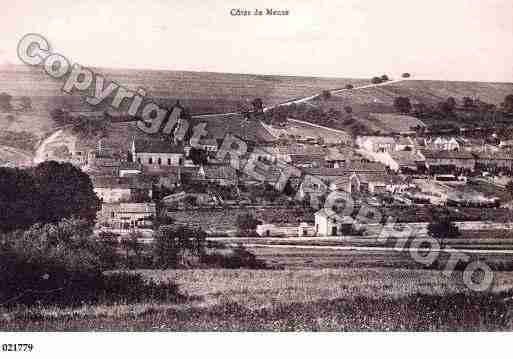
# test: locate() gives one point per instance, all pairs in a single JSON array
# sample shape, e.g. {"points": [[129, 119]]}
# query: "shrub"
{"points": [[443, 227], [239, 257], [178, 246], [63, 264]]}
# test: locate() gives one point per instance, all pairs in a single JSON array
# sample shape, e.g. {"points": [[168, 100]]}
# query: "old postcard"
{"points": [[256, 166]]}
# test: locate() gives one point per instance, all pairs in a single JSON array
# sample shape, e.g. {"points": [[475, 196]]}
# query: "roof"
{"points": [[349, 168], [208, 142], [137, 207], [220, 172], [132, 182], [405, 141], [331, 214], [306, 158], [406, 158], [379, 139], [218, 126], [462, 155], [156, 146], [494, 155], [374, 178], [339, 154], [295, 149], [130, 166]]}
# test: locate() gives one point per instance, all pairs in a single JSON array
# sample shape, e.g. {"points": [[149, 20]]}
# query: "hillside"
{"points": [[381, 98], [202, 92]]}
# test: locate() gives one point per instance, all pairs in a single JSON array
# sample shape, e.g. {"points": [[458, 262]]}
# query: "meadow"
{"points": [[371, 298]]}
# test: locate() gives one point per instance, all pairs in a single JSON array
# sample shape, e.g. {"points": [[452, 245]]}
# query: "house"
{"points": [[443, 144], [112, 189], [405, 144], [126, 216], [306, 153], [129, 169], [376, 143], [222, 175], [496, 159], [407, 161], [449, 159], [156, 153], [285, 230], [338, 157], [332, 174], [329, 223]]}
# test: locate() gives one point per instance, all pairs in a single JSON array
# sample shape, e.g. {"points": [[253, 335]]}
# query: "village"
{"points": [[151, 179]]}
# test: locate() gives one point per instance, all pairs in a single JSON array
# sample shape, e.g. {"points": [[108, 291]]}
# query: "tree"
{"points": [[468, 102], [246, 224], [258, 105], [132, 243], [178, 246], [376, 80], [26, 103], [326, 94], [65, 191], [406, 75], [384, 78], [349, 87], [451, 103], [198, 156], [348, 109], [19, 199], [5, 102], [443, 227], [508, 103], [402, 104]]}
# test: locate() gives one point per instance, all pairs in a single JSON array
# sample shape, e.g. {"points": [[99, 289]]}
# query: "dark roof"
{"points": [[462, 155], [363, 167], [220, 172], [219, 126], [494, 155], [132, 182], [156, 146], [130, 166]]}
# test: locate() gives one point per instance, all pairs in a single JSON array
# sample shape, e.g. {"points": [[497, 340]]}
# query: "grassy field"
{"points": [[425, 91], [292, 300]]}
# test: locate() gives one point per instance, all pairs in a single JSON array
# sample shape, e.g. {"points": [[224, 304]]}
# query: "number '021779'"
{"points": [[17, 347]]}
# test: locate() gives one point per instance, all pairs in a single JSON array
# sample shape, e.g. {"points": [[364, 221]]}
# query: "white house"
{"points": [[156, 153], [376, 143], [329, 223]]}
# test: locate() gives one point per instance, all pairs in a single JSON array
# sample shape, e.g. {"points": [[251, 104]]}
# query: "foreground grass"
{"points": [[288, 300]]}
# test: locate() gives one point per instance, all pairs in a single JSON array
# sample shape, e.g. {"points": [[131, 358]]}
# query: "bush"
{"points": [[443, 227], [63, 264], [239, 257], [178, 246]]}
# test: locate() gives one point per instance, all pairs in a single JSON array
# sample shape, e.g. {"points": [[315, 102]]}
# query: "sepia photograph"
{"points": [[255, 166]]}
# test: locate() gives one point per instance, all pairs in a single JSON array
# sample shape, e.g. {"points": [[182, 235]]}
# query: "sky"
{"points": [[436, 39]]}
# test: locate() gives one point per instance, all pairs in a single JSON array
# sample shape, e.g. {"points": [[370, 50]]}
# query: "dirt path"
{"points": [[58, 138]]}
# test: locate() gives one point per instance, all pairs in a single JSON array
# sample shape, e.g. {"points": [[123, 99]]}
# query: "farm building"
{"points": [[156, 153], [126, 215], [376, 143], [112, 189], [450, 159], [329, 223]]}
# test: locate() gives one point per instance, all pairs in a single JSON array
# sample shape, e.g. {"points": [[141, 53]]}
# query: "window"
{"points": [[180, 161], [150, 160], [159, 161], [169, 161], [139, 159]]}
